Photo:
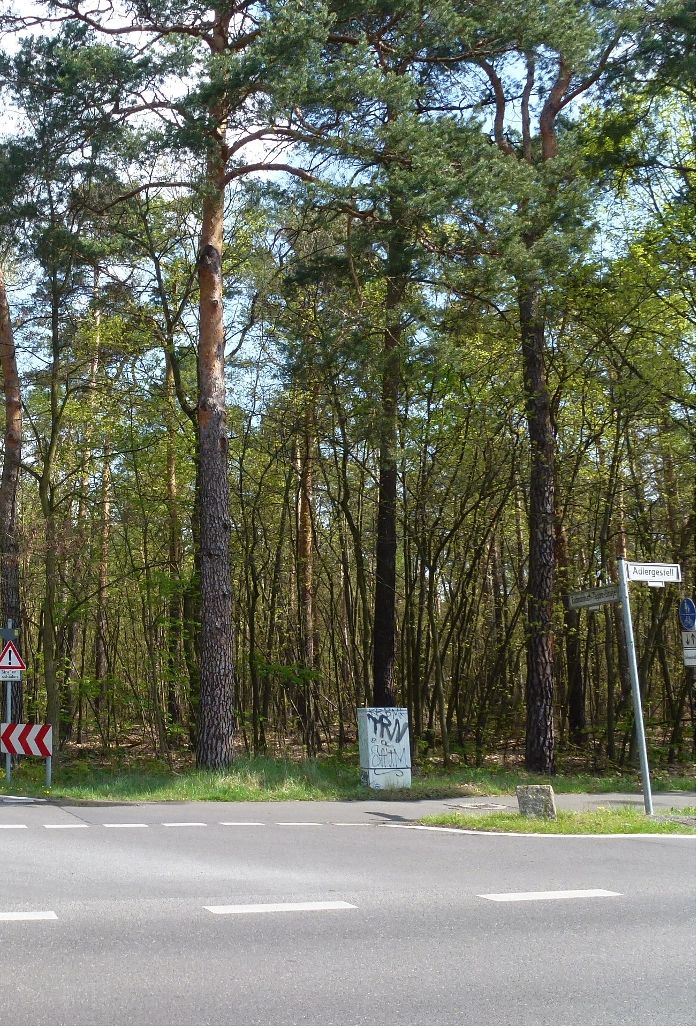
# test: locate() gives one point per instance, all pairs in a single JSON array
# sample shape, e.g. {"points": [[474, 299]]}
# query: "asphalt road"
{"points": [[111, 920]]}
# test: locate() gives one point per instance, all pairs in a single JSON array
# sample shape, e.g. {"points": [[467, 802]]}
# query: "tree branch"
{"points": [[288, 169], [500, 100]]}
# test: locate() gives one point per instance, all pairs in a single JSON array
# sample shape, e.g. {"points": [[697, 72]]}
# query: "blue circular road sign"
{"points": [[687, 614]]}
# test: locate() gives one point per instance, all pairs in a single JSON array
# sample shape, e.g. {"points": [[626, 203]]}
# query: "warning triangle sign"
{"points": [[10, 658]]}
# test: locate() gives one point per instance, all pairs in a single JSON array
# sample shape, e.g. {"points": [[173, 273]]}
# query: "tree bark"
{"points": [[102, 577], [174, 555], [540, 743], [305, 576], [215, 737], [386, 528], [12, 459], [576, 709]]}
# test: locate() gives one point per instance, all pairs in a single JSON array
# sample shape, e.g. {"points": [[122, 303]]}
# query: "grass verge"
{"points": [[256, 779], [603, 821]]}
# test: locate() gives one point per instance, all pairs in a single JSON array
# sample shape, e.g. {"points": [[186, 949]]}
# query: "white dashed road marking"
{"points": [[184, 824], [28, 915], [125, 824], [243, 824], [280, 908], [300, 824], [13, 826], [66, 826], [562, 894]]}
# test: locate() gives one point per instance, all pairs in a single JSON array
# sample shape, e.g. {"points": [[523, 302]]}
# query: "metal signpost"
{"points": [[654, 575], [9, 675]]}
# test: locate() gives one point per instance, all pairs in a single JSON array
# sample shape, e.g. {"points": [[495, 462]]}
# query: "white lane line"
{"points": [[66, 826], [280, 908], [125, 824], [184, 824], [243, 824], [561, 894], [13, 826], [352, 824], [301, 824], [21, 799], [28, 915]]}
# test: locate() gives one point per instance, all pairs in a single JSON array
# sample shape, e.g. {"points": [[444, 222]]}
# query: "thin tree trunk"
{"points": [[576, 713], [174, 555], [102, 577], [305, 577]]}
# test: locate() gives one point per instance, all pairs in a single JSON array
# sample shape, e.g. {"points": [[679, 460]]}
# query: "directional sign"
{"points": [[26, 740], [687, 614], [593, 597], [10, 658], [653, 574]]}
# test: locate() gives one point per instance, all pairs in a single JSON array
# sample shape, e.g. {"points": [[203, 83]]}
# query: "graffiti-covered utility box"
{"points": [[384, 747]]}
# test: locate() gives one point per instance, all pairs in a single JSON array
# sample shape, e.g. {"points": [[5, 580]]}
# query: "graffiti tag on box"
{"points": [[387, 745]]}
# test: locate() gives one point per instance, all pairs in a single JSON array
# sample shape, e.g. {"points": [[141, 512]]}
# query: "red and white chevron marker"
{"points": [[26, 740]]}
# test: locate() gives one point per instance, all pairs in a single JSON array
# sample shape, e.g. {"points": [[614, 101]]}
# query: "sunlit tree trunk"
{"points": [[215, 737]]}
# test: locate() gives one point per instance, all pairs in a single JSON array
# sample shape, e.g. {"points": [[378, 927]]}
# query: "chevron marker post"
{"points": [[28, 741]]}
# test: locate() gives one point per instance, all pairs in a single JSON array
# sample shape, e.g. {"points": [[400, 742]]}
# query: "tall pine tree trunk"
{"points": [[12, 458], [215, 736], [305, 577], [540, 745], [384, 622]]}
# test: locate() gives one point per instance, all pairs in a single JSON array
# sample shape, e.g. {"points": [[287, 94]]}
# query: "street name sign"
{"points": [[652, 574], [593, 597], [687, 614]]}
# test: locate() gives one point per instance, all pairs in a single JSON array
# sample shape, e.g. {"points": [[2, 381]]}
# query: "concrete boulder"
{"points": [[536, 800]]}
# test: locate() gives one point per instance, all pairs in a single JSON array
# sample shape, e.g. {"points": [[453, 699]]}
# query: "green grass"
{"points": [[253, 779], [603, 821]]}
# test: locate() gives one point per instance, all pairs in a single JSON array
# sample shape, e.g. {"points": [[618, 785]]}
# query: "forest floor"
{"points": [[129, 774]]}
